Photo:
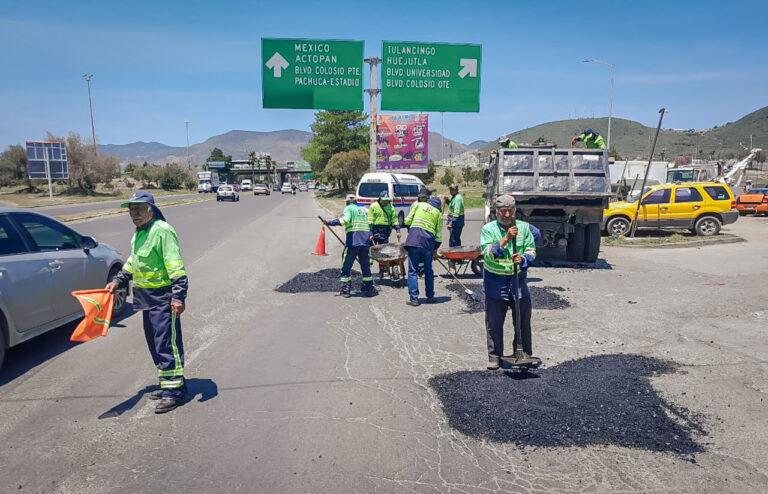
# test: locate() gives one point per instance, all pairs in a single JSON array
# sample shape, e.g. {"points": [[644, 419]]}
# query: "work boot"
{"points": [[171, 400], [368, 291], [493, 362], [346, 291], [413, 302], [156, 394]]}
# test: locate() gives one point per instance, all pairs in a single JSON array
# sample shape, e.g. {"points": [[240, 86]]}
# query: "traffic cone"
{"points": [[320, 245]]}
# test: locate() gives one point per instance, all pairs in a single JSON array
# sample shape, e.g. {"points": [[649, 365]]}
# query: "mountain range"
{"points": [[631, 139]]}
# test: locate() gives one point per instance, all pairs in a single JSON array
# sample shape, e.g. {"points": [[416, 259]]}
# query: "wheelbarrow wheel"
{"points": [[477, 266]]}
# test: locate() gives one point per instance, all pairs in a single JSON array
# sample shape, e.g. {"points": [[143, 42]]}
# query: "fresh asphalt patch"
{"points": [[544, 297], [325, 280], [600, 400]]}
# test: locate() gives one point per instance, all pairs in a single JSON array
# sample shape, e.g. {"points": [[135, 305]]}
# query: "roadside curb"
{"points": [[727, 239]]}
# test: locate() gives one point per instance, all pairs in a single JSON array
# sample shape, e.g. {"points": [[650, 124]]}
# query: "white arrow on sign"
{"points": [[468, 67], [277, 63]]}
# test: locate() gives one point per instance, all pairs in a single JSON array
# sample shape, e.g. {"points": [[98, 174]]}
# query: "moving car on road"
{"points": [[303, 188], [276, 187], [42, 262], [702, 207], [286, 189], [321, 188], [246, 184], [227, 193], [261, 189], [754, 201]]}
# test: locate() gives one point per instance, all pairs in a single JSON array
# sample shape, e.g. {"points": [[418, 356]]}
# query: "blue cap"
{"points": [[142, 196], [589, 131], [435, 202], [384, 196]]}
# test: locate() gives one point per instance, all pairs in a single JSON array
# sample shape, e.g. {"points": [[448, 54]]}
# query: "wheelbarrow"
{"points": [[391, 259], [462, 257]]}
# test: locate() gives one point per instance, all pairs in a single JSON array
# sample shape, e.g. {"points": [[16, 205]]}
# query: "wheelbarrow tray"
{"points": [[461, 253], [388, 254]]}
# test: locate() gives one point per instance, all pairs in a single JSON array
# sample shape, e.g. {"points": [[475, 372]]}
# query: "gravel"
{"points": [[600, 400], [544, 297], [325, 280]]}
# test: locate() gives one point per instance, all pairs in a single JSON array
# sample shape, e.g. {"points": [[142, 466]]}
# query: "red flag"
{"points": [[97, 305]]}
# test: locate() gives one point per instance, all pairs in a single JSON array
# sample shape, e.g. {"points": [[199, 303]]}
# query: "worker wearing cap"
{"points": [[455, 216], [159, 291], [506, 143], [358, 241], [382, 218], [590, 138], [425, 226], [505, 242]]}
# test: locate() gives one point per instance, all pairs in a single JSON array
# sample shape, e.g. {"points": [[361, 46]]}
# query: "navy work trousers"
{"points": [[162, 330], [381, 234], [457, 226], [361, 254], [496, 314], [416, 257]]}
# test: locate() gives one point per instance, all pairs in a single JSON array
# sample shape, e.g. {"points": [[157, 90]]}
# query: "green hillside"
{"points": [[633, 140]]}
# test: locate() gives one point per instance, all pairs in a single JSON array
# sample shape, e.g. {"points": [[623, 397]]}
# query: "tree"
{"points": [[335, 132], [346, 167], [467, 175], [447, 178], [428, 177], [86, 169], [540, 140], [218, 155], [129, 169], [13, 164]]}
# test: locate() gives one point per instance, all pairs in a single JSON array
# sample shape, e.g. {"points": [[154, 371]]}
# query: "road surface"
{"points": [[300, 390]]}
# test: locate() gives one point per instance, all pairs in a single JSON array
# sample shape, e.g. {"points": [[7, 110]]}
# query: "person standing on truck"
{"points": [[505, 242], [506, 143], [455, 215], [382, 218], [425, 226], [590, 138], [355, 222], [159, 291]]}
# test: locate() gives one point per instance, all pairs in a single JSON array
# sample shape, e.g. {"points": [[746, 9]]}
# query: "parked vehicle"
{"points": [[207, 182], [403, 189], [42, 262], [562, 192], [754, 201], [702, 207], [261, 189], [322, 188], [246, 184], [286, 189], [227, 193]]}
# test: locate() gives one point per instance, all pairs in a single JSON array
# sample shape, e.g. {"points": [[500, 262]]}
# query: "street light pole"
{"points": [[88, 78], [611, 68], [189, 159]]}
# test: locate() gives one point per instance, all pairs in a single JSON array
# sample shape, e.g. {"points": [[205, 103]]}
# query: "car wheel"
{"points": [[618, 226], [575, 248], [706, 226], [121, 295]]}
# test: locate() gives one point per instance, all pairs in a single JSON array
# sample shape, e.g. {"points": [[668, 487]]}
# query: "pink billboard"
{"points": [[402, 143]]}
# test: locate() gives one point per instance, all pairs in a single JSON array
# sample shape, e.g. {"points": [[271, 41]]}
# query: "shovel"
{"points": [[469, 293], [520, 359]]}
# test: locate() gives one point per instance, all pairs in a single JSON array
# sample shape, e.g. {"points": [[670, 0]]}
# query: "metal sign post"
{"points": [[647, 169], [373, 92], [48, 172]]}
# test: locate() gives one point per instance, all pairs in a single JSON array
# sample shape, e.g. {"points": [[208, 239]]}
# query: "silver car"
{"points": [[42, 262]]}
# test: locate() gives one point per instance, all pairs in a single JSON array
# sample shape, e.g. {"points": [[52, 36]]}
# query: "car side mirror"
{"points": [[89, 243]]}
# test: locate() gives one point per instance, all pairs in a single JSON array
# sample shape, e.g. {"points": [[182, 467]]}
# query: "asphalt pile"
{"points": [[325, 280], [600, 400], [387, 252], [544, 297]]}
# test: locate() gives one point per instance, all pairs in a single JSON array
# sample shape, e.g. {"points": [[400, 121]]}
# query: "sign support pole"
{"points": [[373, 92], [48, 172], [645, 177]]}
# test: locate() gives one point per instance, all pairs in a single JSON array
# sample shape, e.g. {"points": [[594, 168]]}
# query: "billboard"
{"points": [[402, 143], [52, 152]]}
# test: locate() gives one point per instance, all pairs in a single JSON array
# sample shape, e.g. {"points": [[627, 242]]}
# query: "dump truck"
{"points": [[563, 192], [207, 182]]}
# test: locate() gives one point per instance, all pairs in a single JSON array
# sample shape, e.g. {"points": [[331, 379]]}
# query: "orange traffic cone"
{"points": [[320, 245]]}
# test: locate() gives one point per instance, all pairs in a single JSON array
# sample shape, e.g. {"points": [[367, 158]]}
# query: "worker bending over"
{"points": [[425, 225], [590, 138]]}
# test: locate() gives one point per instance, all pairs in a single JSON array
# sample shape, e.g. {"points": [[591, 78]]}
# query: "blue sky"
{"points": [[158, 63]]}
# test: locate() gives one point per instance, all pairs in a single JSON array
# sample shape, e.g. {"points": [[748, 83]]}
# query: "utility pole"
{"points": [[88, 78], [611, 68], [373, 92], [189, 159], [645, 177]]}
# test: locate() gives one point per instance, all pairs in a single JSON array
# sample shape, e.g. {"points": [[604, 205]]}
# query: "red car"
{"points": [[755, 201]]}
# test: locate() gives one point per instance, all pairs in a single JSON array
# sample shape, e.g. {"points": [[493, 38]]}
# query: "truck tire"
{"points": [[575, 248], [591, 242], [707, 226]]}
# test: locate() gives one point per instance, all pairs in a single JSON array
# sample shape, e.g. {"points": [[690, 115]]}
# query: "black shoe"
{"points": [[171, 401], [413, 303], [345, 293], [493, 363], [431, 300], [369, 293], [156, 394]]}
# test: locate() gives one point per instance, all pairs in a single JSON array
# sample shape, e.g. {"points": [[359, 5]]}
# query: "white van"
{"points": [[403, 189], [246, 184]]}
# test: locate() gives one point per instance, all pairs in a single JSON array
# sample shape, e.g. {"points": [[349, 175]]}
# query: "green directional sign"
{"points": [[312, 73], [430, 77]]}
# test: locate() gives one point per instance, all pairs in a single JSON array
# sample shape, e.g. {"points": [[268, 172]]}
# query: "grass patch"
{"points": [[662, 237], [18, 196]]}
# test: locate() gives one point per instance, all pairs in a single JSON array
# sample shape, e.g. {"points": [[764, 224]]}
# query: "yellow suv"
{"points": [[702, 207]]}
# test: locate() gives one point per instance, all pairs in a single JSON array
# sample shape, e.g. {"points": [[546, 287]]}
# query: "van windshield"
{"points": [[411, 190], [372, 190]]}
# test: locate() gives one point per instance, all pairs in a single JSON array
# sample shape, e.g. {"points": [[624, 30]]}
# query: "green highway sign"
{"points": [[312, 74], [430, 77]]}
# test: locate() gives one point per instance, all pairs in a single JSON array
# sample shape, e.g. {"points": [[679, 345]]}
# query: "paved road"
{"points": [[310, 392]]}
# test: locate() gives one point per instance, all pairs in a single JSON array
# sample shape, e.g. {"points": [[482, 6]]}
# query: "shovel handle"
{"points": [[331, 230]]}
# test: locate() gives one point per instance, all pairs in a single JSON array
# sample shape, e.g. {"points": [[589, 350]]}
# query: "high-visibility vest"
{"points": [[426, 217], [381, 216], [155, 256], [593, 141], [491, 234], [456, 206], [355, 219]]}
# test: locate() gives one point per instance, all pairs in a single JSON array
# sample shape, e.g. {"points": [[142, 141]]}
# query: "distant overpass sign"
{"points": [[312, 74], [441, 77]]}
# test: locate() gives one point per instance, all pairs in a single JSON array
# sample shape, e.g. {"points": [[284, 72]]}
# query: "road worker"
{"points": [[455, 216], [590, 138], [383, 218], [358, 241], [159, 290], [425, 225]]}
